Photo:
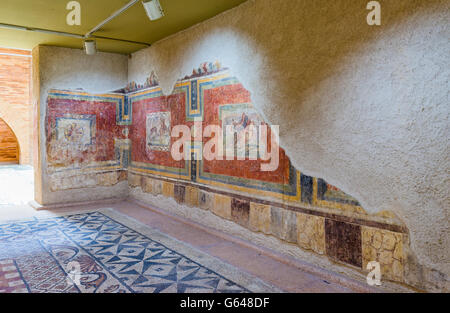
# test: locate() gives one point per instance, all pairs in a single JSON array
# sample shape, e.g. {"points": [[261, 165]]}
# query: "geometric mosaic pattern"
{"points": [[91, 253], [10, 278]]}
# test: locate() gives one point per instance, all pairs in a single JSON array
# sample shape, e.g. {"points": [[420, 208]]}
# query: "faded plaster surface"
{"points": [[364, 107], [71, 69]]}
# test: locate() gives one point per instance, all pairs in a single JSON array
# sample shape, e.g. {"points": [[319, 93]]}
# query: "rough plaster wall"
{"points": [[63, 68], [366, 108]]}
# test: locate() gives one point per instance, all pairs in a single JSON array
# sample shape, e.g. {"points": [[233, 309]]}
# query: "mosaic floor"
{"points": [[16, 185], [107, 252]]}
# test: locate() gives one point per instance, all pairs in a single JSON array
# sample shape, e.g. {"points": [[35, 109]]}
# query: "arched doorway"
{"points": [[16, 181], [9, 146]]}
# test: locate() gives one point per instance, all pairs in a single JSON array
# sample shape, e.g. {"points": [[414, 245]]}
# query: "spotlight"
{"points": [[90, 47], [153, 9]]}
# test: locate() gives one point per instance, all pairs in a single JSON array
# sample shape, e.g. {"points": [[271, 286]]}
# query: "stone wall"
{"points": [[15, 102]]}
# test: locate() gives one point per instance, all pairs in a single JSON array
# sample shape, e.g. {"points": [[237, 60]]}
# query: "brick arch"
{"points": [[15, 103], [9, 145]]}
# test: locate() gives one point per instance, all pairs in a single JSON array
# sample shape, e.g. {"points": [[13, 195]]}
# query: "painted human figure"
{"points": [[242, 124], [164, 133], [153, 134]]}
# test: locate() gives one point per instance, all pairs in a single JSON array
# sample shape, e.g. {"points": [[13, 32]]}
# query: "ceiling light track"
{"points": [[152, 8], [111, 17], [58, 33], [122, 40], [40, 30]]}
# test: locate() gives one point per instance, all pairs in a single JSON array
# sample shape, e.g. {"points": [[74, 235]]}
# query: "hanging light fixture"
{"points": [[153, 9], [90, 46]]}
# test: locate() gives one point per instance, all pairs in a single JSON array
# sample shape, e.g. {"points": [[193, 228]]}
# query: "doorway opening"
{"points": [[16, 181], [9, 145], [16, 129]]}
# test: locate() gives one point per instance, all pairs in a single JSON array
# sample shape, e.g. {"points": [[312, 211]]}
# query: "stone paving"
{"points": [[245, 258]]}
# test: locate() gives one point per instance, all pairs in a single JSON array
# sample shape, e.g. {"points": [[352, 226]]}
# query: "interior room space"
{"points": [[226, 146]]}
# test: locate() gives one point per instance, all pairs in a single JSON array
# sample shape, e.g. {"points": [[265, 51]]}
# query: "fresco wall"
{"points": [[357, 100], [85, 144], [284, 203], [213, 100], [103, 139]]}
